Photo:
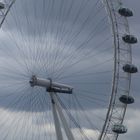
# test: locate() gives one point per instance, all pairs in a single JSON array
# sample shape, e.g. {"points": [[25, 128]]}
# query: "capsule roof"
{"points": [[2, 6], [131, 39], [119, 129], [126, 99], [130, 68], [125, 12]]}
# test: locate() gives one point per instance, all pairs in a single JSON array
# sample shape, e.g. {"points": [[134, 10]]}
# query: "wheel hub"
{"points": [[50, 85]]}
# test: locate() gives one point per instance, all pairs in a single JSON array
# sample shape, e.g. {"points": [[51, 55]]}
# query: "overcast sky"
{"points": [[73, 47]]}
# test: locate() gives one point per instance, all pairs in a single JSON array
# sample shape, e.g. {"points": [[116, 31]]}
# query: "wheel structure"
{"points": [[121, 79], [58, 61]]}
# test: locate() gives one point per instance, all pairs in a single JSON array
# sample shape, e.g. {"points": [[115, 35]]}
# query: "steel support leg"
{"points": [[56, 120], [63, 119]]}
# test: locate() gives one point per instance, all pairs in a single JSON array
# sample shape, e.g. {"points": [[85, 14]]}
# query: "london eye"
{"points": [[65, 69]]}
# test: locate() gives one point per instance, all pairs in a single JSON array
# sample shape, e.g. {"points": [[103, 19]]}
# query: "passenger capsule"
{"points": [[130, 68], [126, 99], [125, 12], [119, 129], [129, 39], [2, 6]]}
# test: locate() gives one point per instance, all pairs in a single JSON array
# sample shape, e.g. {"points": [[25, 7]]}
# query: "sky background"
{"points": [[38, 40]]}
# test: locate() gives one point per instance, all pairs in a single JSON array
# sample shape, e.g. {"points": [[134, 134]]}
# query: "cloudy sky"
{"points": [[69, 42]]}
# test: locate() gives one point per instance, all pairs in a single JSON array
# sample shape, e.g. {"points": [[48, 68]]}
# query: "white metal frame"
{"points": [[56, 106], [121, 81], [62, 118]]}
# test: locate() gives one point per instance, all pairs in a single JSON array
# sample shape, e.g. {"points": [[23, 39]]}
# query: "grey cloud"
{"points": [[15, 96]]}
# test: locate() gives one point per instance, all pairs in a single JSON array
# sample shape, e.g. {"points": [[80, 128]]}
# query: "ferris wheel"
{"points": [[63, 74]]}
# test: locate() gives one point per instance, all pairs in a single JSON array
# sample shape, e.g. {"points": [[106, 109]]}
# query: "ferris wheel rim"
{"points": [[116, 76]]}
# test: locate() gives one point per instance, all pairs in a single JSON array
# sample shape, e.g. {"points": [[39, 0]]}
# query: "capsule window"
{"points": [[125, 12], [129, 39], [130, 68], [119, 129], [126, 99], [2, 6]]}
